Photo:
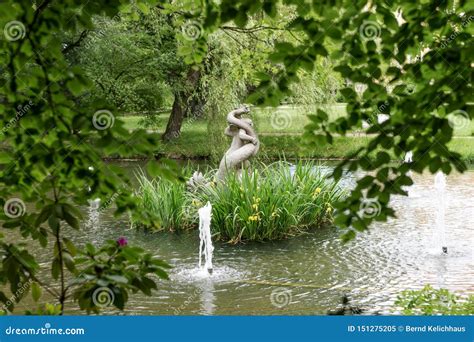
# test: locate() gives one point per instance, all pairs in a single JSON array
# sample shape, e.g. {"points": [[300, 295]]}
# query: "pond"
{"points": [[309, 274]]}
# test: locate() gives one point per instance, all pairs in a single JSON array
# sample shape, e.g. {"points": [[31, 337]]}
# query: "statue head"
{"points": [[242, 110]]}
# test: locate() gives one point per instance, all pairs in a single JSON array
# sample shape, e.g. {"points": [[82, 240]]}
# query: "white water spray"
{"points": [[440, 186], [94, 213], [205, 244], [408, 159]]}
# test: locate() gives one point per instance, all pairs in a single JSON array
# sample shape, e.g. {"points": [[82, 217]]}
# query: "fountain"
{"points": [[440, 186], [94, 213], [205, 244], [94, 205], [408, 159]]}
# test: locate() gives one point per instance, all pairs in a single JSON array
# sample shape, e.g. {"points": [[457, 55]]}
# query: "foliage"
{"points": [[112, 271], [128, 62], [318, 86], [48, 165], [166, 201], [414, 59], [268, 203], [430, 301]]}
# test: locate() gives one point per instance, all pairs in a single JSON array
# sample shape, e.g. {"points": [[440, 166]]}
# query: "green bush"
{"points": [[267, 203], [430, 301]]}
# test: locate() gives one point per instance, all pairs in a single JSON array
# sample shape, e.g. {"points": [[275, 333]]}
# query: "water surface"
{"points": [[308, 275]]}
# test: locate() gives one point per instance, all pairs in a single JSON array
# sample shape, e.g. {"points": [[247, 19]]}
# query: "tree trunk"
{"points": [[180, 104], [173, 128]]}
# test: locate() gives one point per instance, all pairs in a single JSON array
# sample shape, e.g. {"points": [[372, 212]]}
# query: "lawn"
{"points": [[279, 129]]}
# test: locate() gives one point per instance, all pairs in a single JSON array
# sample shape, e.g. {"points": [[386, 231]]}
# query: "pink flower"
{"points": [[122, 241]]}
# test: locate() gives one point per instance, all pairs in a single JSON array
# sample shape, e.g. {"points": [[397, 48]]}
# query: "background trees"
{"points": [[425, 97], [67, 72]]}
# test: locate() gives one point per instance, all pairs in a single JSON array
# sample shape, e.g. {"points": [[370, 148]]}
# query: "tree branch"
{"points": [[76, 43]]}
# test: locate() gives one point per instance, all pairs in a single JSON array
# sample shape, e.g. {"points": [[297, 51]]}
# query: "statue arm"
{"points": [[239, 111], [244, 136], [228, 132]]}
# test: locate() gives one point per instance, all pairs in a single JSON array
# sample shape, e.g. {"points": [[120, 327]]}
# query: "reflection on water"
{"points": [[316, 269]]}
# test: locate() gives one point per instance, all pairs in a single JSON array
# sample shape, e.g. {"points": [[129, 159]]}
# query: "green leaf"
{"points": [[117, 278], [53, 223], [69, 261], [348, 236], [5, 157], [36, 291], [70, 246], [55, 268], [70, 219]]}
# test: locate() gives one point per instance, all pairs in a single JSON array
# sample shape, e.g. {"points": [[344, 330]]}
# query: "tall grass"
{"points": [[268, 203], [165, 202]]}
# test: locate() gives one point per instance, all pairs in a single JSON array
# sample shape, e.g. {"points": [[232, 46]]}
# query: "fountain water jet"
{"points": [[205, 243], [94, 213], [408, 159], [440, 186]]}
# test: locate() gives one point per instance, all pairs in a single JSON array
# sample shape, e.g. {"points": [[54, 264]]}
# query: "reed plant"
{"points": [[267, 203], [164, 202]]}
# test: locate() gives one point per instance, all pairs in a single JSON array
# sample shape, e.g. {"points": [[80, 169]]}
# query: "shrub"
{"points": [[268, 203], [430, 301]]}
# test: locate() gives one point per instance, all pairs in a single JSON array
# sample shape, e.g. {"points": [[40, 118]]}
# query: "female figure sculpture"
{"points": [[245, 143]]}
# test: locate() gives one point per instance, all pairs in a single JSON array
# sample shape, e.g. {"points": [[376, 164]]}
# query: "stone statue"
{"points": [[245, 143]]}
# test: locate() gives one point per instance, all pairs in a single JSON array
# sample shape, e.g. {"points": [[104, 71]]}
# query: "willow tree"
{"points": [[412, 58]]}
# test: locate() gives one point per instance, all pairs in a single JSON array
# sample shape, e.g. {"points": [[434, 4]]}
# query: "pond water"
{"points": [[309, 274]]}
